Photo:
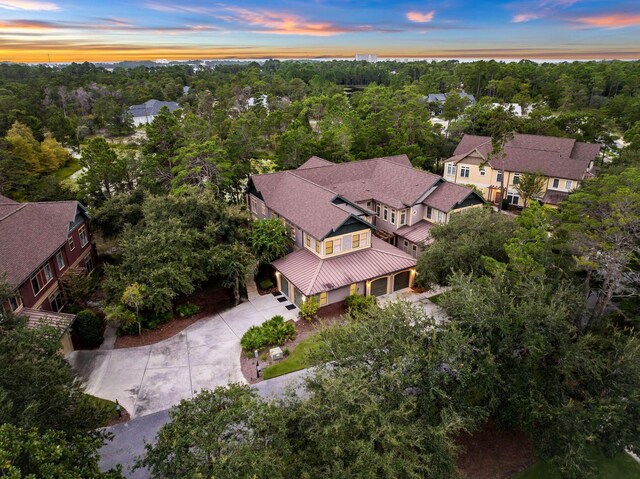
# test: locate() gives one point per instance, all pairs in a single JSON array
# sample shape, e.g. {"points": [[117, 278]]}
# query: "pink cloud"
{"points": [[28, 5], [420, 17], [610, 20], [525, 17]]}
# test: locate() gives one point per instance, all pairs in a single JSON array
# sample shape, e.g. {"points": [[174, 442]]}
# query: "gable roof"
{"points": [[151, 108], [30, 233], [4, 200], [312, 274], [549, 155], [389, 180], [314, 162], [448, 195], [305, 204]]}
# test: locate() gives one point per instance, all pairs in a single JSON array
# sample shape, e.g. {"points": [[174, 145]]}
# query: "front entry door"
{"points": [[284, 285]]}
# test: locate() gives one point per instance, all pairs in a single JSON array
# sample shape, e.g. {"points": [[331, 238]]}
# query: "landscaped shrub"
{"points": [[89, 328], [309, 309], [273, 332], [266, 284], [358, 304], [186, 310]]}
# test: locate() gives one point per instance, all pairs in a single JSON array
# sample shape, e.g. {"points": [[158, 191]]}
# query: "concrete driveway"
{"points": [[152, 378]]}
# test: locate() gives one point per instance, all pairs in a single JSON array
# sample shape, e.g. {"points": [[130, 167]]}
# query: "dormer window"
{"points": [[403, 217], [451, 169], [516, 178], [556, 183]]}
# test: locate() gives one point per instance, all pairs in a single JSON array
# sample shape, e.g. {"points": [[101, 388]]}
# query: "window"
{"points": [[403, 217], [516, 178], [451, 169], [513, 199], [72, 244], [60, 260], [318, 245], [47, 272], [35, 284], [15, 302], [406, 246], [378, 210], [88, 264], [499, 177], [328, 247], [323, 298], [264, 209], [353, 289], [307, 240], [429, 212], [393, 217], [254, 205], [414, 251], [385, 215], [293, 232], [464, 172], [84, 238], [483, 171], [56, 302], [368, 204], [442, 217], [568, 184], [355, 241], [363, 239], [337, 245], [556, 183]]}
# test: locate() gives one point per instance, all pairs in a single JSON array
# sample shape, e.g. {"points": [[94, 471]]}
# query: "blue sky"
{"points": [[75, 30]]}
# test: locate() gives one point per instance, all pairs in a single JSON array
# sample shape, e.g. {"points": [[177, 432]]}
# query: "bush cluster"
{"points": [[186, 310], [266, 284], [309, 308], [358, 304], [88, 325], [273, 332]]}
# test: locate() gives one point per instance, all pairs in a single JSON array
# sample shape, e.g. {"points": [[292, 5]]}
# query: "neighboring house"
{"points": [[564, 163], [357, 227], [147, 111], [39, 243], [515, 108], [442, 97]]}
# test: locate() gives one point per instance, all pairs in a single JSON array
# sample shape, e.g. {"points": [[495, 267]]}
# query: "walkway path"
{"points": [[148, 379]]}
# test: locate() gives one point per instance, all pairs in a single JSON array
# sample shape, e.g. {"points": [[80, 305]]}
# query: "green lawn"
{"points": [[69, 169], [622, 466], [297, 359], [108, 408]]}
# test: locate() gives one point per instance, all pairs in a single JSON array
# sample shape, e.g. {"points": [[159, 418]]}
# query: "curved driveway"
{"points": [[153, 378]]}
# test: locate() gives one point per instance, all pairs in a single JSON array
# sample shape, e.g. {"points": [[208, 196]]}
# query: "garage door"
{"points": [[401, 280], [285, 286], [379, 287]]}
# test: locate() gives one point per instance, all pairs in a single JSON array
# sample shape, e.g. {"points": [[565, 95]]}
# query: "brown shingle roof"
{"points": [[4, 200], [314, 162], [390, 180], [303, 203], [312, 275], [447, 195], [552, 197], [551, 156], [30, 233]]}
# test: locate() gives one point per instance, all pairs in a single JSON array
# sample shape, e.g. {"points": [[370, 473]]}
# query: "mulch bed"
{"points": [[304, 329], [210, 299], [119, 420], [491, 453]]}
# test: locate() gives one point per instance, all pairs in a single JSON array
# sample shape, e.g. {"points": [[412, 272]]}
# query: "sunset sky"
{"points": [[109, 30]]}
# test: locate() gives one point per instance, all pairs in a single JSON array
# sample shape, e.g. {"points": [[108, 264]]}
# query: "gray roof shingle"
{"points": [[151, 108]]}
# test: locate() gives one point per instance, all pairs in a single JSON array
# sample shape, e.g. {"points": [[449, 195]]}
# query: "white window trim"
{"points": [[465, 171], [568, 184], [60, 261], [482, 171], [72, 244], [385, 213], [553, 183], [82, 233]]}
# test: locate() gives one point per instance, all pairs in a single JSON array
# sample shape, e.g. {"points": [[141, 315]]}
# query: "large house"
{"points": [[440, 98], [147, 111], [357, 227], [39, 243], [563, 162]]}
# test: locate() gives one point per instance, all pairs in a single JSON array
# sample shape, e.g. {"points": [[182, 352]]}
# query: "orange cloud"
{"points": [[613, 20], [28, 5], [284, 23], [420, 17]]}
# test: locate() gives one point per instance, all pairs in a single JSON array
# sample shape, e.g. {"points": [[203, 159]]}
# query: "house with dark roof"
{"points": [[440, 98], [357, 227], [39, 243], [147, 111], [563, 162]]}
